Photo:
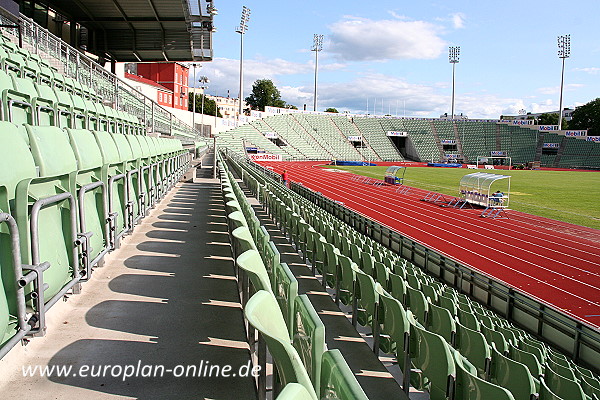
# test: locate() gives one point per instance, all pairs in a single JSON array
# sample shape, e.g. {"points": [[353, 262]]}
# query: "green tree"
{"points": [[264, 94], [551, 119], [332, 110], [587, 117], [209, 105]]}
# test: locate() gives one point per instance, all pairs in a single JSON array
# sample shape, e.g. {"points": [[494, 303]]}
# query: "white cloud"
{"points": [[556, 89], [389, 93], [589, 70], [458, 20], [363, 39]]}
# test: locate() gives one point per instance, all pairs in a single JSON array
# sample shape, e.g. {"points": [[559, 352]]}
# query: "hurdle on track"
{"points": [[435, 198], [403, 189]]}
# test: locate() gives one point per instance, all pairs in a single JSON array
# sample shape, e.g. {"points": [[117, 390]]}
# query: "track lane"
{"points": [[497, 265]]}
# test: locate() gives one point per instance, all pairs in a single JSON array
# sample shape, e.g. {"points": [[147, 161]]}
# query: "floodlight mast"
{"points": [[453, 57], [242, 30], [317, 47], [564, 51]]}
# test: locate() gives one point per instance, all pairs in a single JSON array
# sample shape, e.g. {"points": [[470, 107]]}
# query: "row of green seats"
{"points": [[66, 198], [27, 102], [462, 323], [288, 323]]}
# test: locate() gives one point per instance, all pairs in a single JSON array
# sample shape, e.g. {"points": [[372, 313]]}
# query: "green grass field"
{"points": [[569, 196]]}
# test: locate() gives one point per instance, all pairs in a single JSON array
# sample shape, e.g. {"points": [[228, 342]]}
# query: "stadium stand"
{"points": [[455, 347], [80, 174]]}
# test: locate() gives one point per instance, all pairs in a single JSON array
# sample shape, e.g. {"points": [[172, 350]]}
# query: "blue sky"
{"points": [[394, 55]]}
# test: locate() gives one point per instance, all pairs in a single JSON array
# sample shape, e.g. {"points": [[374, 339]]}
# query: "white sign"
{"points": [[448, 141], [451, 156], [498, 153], [547, 128], [551, 145], [593, 139], [265, 157], [355, 138], [522, 122], [396, 133], [270, 135], [576, 133]]}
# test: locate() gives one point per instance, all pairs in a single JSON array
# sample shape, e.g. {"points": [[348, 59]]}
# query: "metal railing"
{"points": [[113, 91]]}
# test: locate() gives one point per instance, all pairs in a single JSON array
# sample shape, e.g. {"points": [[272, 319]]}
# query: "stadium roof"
{"points": [[145, 30]]}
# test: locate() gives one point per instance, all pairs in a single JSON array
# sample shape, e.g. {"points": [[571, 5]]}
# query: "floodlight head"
{"points": [[317, 42], [244, 20], [564, 46], [454, 54]]}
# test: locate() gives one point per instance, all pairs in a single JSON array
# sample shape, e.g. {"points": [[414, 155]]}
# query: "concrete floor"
{"points": [[166, 298]]}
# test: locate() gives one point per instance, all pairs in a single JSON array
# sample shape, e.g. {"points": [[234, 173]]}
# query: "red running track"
{"points": [[555, 262]]}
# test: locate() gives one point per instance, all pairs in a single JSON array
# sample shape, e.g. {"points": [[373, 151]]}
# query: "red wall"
{"points": [[172, 76]]}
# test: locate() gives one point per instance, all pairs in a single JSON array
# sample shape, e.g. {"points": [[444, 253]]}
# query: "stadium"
{"points": [[149, 249]]}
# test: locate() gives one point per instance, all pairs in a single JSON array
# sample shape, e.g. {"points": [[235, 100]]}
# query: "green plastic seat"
{"points": [[131, 164], [16, 165], [57, 223], [434, 358], [346, 281], [263, 313], [469, 319], [529, 359], [511, 375], [496, 337], [271, 258], [398, 287], [338, 380], [330, 265], [252, 264], [367, 263], [471, 387], [16, 106], [381, 275], [294, 391], [242, 240], [366, 304], [418, 304], [473, 345], [308, 337], [117, 202], [546, 393], [395, 332], [562, 386], [285, 288], [92, 170], [440, 321]]}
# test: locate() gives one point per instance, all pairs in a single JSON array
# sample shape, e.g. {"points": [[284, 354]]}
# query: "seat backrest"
{"points": [[433, 356], [16, 165], [337, 379], [563, 386], [470, 387], [263, 313], [252, 264], [474, 347], [308, 337], [511, 375], [57, 165], [124, 147], [440, 321], [285, 288], [108, 148]]}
